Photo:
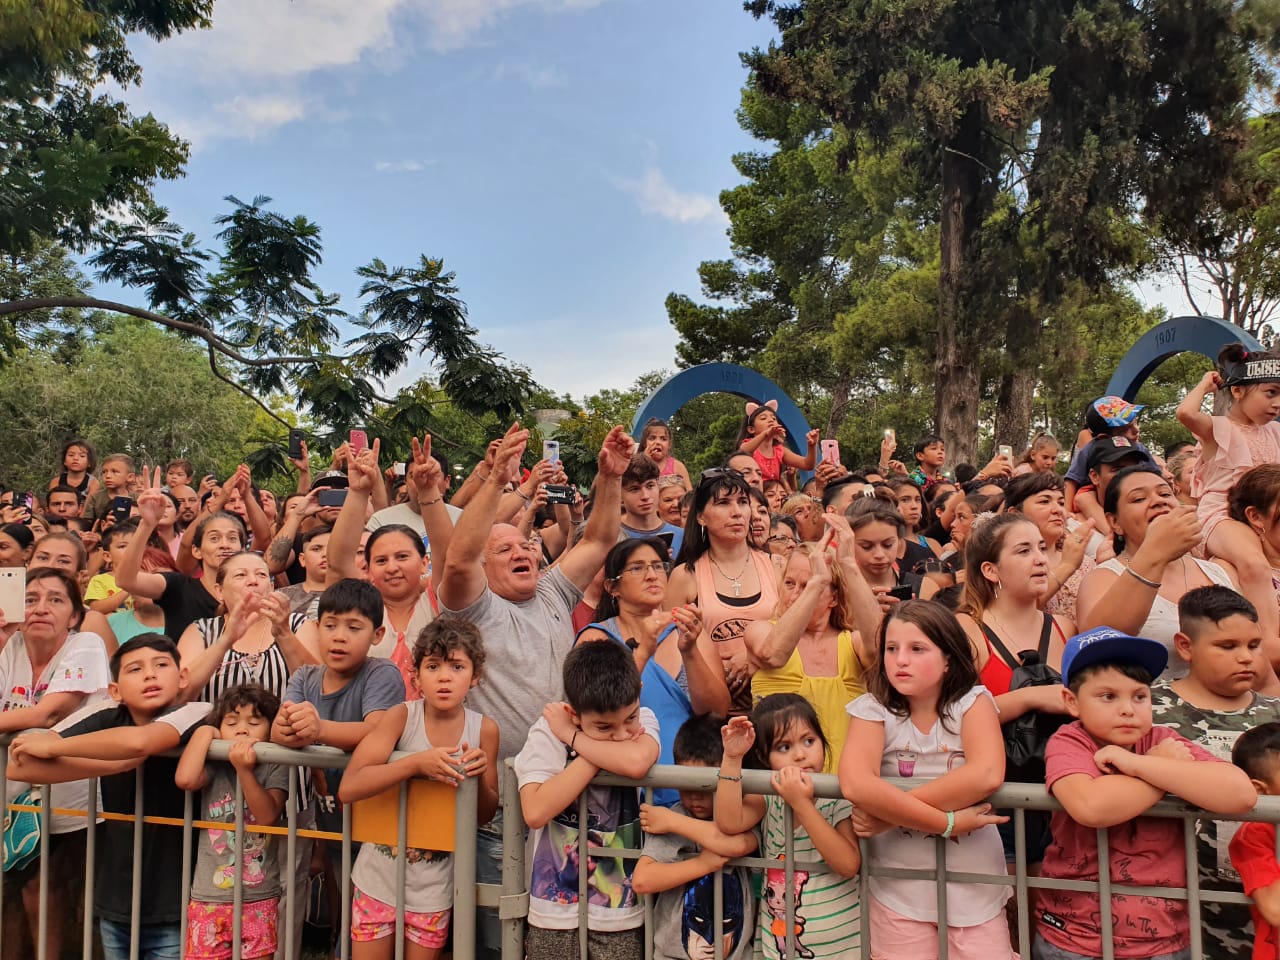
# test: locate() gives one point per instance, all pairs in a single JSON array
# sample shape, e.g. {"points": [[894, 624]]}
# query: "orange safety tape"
{"points": [[176, 822]]}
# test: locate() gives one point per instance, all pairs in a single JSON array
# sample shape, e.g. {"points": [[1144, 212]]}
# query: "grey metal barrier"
{"points": [[1019, 798], [464, 860]]}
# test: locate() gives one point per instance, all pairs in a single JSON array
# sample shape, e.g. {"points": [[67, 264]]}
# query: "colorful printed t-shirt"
{"points": [[828, 910], [684, 916], [613, 821], [214, 880]]}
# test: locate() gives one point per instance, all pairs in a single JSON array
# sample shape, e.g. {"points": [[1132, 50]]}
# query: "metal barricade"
{"points": [[512, 897], [464, 859], [1019, 798]]}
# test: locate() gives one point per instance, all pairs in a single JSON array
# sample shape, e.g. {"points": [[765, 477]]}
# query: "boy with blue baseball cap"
{"points": [[1107, 769]]}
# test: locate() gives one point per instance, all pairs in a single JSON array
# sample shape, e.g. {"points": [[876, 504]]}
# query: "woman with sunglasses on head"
{"points": [[676, 659], [718, 569]]}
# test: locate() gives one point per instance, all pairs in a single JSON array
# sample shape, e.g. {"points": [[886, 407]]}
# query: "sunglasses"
{"points": [[720, 473]]}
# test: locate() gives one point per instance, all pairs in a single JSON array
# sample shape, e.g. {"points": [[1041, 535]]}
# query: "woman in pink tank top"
{"points": [[732, 583]]}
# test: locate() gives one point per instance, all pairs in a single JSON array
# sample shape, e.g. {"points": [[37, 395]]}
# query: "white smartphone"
{"points": [[1006, 451], [13, 594], [399, 468], [551, 451], [891, 434]]}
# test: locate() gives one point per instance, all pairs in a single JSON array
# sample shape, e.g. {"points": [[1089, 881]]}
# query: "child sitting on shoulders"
{"points": [[683, 851], [1106, 769], [602, 727], [243, 716]]}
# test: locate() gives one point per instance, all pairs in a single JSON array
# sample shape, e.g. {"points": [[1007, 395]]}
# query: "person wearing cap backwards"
{"points": [[1107, 768], [1105, 417]]}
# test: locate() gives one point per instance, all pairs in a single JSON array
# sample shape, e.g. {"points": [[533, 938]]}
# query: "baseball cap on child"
{"points": [[1108, 645], [1113, 450], [1106, 413]]}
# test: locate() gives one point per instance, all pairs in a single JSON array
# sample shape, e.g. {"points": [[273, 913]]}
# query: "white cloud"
{"points": [[398, 166], [655, 195], [259, 55], [531, 75]]}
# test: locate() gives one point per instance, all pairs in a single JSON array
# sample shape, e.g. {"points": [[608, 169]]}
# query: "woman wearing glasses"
{"points": [[731, 582], [679, 667]]}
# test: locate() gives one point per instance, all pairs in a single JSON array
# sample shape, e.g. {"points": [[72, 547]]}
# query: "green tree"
{"points": [[269, 330], [1226, 263], [68, 149], [1042, 130], [134, 389]]}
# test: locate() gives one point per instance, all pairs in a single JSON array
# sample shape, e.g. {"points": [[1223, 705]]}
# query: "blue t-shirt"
{"points": [[1078, 472], [663, 532]]}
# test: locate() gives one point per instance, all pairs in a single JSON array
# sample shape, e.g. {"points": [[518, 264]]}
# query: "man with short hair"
{"points": [[491, 577]]}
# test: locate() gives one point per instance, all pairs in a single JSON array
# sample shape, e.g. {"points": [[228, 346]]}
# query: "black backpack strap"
{"points": [[1013, 662], [1046, 633]]}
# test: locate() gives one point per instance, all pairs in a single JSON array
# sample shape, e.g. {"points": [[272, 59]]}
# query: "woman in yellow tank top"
{"points": [[812, 647]]}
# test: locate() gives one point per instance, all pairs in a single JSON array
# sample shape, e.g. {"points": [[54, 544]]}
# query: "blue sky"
{"points": [[563, 156]]}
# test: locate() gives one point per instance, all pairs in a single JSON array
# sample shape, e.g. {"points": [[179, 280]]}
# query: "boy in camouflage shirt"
{"points": [[1220, 639]]}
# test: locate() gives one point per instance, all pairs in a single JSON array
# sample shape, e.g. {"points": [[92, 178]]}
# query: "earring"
{"points": [[999, 587], [703, 531]]}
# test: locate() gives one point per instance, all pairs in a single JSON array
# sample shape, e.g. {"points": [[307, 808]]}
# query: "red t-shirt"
{"points": [[1253, 854], [1146, 851]]}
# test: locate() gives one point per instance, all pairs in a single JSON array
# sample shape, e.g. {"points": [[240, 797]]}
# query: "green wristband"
{"points": [[951, 824]]}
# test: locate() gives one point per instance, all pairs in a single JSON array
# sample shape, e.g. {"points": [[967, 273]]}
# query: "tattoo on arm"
{"points": [[278, 554]]}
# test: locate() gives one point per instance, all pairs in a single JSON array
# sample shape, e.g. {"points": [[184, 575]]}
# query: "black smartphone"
{"points": [[295, 444], [27, 501], [121, 508], [560, 493], [902, 593], [332, 498]]}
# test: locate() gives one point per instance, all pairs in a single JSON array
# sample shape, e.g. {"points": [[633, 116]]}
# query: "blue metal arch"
{"points": [[1203, 335], [722, 378]]}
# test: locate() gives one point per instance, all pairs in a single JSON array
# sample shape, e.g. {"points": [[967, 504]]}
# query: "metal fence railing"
{"points": [[511, 897], [461, 841], [1017, 798]]}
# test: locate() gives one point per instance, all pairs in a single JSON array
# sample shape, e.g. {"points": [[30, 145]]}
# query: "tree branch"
{"points": [[213, 366], [214, 341]]}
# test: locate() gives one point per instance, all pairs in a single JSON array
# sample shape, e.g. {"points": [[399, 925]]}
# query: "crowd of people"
{"points": [[1112, 633]]}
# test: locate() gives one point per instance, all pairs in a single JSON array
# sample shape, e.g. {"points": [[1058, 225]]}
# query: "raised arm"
{"points": [[771, 644], [428, 483], [585, 558], [362, 477], [280, 553], [129, 576], [463, 580], [1191, 416]]}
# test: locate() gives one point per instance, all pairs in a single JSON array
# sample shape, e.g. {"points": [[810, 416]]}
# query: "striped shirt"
{"points": [[828, 910]]}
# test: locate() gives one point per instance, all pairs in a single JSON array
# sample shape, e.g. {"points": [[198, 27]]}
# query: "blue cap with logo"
{"points": [[1108, 645]]}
